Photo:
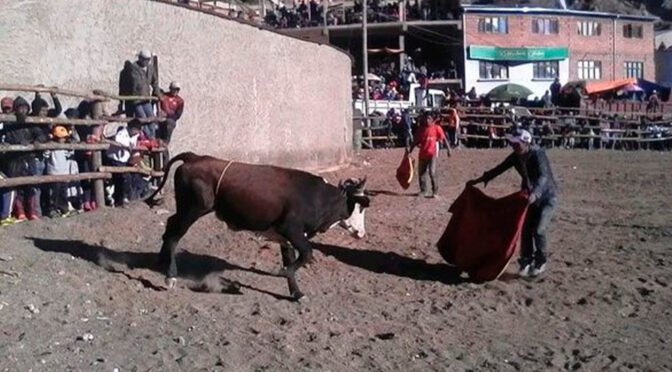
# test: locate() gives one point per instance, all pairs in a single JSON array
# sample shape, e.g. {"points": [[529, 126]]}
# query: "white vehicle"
{"points": [[432, 98]]}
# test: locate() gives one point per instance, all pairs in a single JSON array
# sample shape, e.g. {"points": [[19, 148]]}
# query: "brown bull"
{"points": [[284, 205]]}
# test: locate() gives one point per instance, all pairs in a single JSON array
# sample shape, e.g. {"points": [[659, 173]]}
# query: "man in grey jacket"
{"points": [[533, 166], [139, 79]]}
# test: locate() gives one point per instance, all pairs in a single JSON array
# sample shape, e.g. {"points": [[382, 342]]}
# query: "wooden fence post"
{"points": [[98, 185]]}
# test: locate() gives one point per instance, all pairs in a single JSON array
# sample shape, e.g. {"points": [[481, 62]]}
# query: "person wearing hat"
{"points": [[172, 106], [139, 79], [531, 162]]}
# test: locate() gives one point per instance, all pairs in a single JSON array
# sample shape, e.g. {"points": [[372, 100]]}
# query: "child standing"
{"points": [[428, 138], [119, 155], [60, 162]]}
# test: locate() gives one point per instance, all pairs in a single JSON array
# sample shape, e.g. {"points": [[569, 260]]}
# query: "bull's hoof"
{"points": [[171, 282], [299, 297]]}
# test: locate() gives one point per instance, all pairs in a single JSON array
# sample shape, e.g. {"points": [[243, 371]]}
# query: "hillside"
{"points": [[660, 8]]}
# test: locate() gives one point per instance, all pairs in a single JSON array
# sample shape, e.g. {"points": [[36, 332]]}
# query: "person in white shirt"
{"points": [[118, 155]]}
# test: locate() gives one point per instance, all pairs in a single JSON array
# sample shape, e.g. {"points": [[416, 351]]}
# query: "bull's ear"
{"points": [[361, 183]]}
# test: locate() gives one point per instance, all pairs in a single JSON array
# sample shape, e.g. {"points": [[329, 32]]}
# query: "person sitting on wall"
{"points": [[139, 79]]}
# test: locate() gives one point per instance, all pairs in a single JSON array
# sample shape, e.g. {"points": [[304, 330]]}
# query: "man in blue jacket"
{"points": [[533, 166]]}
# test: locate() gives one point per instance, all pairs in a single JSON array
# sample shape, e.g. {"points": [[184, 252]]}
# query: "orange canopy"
{"points": [[593, 87]]}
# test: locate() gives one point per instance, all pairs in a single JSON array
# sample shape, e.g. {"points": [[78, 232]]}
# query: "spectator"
{"points": [[6, 195], [119, 155], [139, 79], [555, 91], [654, 102], [547, 99], [40, 108], [60, 162], [472, 94], [23, 164], [428, 139], [172, 106], [453, 121]]}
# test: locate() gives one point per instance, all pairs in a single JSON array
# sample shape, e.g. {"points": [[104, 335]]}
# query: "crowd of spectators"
{"points": [[393, 85], [150, 125], [311, 14]]}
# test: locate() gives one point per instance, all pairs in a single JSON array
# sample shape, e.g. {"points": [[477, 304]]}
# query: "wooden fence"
{"points": [[376, 131], [101, 172]]}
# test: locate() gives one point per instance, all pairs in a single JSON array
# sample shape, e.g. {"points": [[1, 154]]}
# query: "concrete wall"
{"points": [[251, 95]]}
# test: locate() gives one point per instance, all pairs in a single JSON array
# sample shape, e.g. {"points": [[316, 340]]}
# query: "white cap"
{"points": [[144, 54], [522, 136], [174, 85]]}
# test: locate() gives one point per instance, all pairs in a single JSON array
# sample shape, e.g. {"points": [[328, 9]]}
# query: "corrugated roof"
{"points": [[567, 12]]}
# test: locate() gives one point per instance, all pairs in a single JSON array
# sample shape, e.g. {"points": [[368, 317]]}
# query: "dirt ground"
{"points": [[82, 294]]}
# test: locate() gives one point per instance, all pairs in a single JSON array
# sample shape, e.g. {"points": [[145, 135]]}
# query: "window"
{"points": [[493, 71], [634, 70], [493, 25], [631, 31], [590, 70], [590, 28], [546, 70], [545, 26]]}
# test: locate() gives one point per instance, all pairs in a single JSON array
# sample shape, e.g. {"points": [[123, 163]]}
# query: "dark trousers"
{"points": [[166, 129], [58, 197], [6, 200], [122, 183], [533, 245], [142, 110], [85, 165], [25, 201], [427, 167]]}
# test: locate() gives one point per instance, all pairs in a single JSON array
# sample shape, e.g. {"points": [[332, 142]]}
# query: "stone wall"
{"points": [[251, 95]]}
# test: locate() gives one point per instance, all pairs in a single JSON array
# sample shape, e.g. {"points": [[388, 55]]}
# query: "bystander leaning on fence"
{"points": [[60, 162], [6, 195], [118, 155], [22, 164]]}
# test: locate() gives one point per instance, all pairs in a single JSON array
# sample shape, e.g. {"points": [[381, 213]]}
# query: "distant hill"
{"points": [[660, 8]]}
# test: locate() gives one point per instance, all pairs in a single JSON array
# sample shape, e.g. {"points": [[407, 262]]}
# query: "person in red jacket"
{"points": [[428, 138], [172, 106]]}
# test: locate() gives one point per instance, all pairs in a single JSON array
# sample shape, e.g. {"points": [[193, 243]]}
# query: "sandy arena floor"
{"points": [[81, 294]]}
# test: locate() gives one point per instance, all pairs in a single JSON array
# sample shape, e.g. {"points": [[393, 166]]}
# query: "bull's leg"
{"points": [[177, 226], [302, 244], [288, 254]]}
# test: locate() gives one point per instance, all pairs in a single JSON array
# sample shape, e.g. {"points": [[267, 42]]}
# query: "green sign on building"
{"points": [[518, 54]]}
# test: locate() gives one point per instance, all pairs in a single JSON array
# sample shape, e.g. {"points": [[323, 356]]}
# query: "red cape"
{"points": [[405, 171], [483, 233]]}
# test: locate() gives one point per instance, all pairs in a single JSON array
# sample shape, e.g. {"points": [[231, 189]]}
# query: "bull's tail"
{"points": [[186, 157]]}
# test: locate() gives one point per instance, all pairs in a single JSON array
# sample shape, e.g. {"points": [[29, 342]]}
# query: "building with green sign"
{"points": [[534, 46]]}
